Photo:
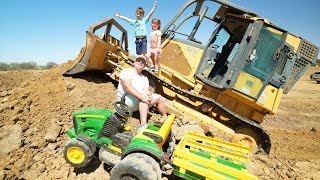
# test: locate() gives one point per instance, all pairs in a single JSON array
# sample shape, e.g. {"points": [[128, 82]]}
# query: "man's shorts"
{"points": [[141, 45], [132, 102]]}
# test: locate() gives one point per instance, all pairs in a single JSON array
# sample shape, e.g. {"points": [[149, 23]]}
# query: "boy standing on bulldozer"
{"points": [[140, 28]]}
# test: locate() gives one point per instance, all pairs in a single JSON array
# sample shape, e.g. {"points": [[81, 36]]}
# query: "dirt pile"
{"points": [[35, 115], [35, 110]]}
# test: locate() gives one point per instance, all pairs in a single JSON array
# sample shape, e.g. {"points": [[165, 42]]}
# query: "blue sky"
{"points": [[43, 31]]}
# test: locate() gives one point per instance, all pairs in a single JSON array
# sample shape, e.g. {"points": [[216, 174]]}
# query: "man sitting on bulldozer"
{"points": [[133, 90]]}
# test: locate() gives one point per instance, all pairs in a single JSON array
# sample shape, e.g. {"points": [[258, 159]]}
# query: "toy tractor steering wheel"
{"points": [[122, 109]]}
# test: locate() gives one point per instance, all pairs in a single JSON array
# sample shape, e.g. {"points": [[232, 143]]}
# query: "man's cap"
{"points": [[141, 57]]}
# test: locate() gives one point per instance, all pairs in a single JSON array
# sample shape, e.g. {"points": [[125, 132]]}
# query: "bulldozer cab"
{"points": [[229, 47], [239, 56]]}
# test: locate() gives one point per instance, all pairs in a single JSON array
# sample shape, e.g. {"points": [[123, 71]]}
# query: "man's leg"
{"points": [[143, 110], [158, 101]]}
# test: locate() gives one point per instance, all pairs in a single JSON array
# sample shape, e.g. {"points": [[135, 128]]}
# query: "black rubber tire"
{"points": [[88, 152], [155, 166], [135, 166]]}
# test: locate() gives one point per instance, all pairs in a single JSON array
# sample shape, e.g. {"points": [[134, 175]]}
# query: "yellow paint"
{"points": [[90, 116], [128, 128], [277, 101], [218, 115], [183, 158], [114, 148], [76, 155], [182, 170], [191, 53], [215, 146], [169, 92], [293, 41], [183, 79], [268, 102], [166, 128], [186, 99], [243, 79], [202, 118], [260, 18], [163, 131], [207, 167], [275, 31], [268, 97]]}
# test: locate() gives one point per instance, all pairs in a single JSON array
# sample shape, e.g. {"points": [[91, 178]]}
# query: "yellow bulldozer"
{"points": [[221, 64]]}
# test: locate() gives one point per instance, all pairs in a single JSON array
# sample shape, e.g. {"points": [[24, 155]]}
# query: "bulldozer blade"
{"points": [[100, 50]]}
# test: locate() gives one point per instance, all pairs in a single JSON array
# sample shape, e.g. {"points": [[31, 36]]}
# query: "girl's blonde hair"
{"points": [[157, 21], [140, 10]]}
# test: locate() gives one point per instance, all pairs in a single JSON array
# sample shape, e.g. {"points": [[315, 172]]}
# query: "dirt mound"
{"points": [[36, 107], [41, 106]]}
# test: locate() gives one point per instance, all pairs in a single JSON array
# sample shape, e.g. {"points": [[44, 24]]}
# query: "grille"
{"points": [[106, 129], [308, 51], [299, 67]]}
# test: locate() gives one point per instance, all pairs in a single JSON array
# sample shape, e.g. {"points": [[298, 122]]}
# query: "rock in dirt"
{"points": [[70, 86], [52, 133], [4, 94], [10, 138]]}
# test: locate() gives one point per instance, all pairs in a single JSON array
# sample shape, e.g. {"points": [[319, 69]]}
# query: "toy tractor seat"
{"points": [[161, 135]]}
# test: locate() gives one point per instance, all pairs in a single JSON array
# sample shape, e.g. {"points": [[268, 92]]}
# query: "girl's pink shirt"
{"points": [[154, 39]]}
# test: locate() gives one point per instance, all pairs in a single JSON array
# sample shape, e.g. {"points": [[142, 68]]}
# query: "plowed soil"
{"points": [[36, 106]]}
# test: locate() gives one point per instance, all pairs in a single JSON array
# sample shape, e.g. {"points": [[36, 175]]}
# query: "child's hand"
{"points": [[155, 3], [117, 14]]}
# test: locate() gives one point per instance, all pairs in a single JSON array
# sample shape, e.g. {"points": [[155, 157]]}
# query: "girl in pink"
{"points": [[155, 47]]}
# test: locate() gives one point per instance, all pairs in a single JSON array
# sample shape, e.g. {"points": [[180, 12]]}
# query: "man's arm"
{"points": [[122, 17], [152, 10], [126, 84]]}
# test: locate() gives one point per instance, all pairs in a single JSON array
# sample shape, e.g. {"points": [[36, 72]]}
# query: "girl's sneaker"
{"points": [[152, 68]]}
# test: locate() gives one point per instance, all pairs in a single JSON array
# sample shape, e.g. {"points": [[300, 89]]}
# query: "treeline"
{"points": [[24, 66]]}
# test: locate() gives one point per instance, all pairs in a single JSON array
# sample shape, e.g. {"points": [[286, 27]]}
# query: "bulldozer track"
{"points": [[235, 118]]}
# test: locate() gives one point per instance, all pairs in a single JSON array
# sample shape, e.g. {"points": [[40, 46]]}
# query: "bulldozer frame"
{"points": [[230, 80]]}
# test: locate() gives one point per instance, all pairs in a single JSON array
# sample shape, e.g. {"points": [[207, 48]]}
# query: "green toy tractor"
{"points": [[104, 130], [143, 155]]}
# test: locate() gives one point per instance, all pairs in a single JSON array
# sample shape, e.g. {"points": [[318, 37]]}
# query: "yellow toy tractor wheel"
{"points": [[77, 153]]}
